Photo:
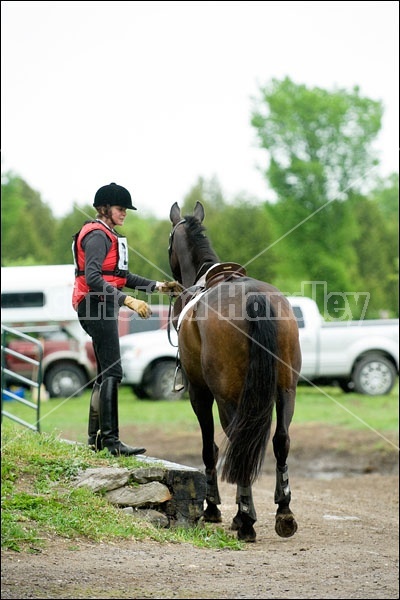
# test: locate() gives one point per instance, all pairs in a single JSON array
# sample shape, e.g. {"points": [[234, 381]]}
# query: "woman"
{"points": [[101, 272]]}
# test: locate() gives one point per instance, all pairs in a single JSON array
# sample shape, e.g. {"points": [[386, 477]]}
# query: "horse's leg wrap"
{"points": [[212, 514], [285, 523], [246, 515], [212, 492], [282, 489], [244, 500]]}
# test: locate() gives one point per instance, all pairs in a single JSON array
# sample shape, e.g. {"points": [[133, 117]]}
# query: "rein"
{"points": [[171, 237]]}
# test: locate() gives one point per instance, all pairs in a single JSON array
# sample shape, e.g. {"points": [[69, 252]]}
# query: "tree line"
{"points": [[328, 231]]}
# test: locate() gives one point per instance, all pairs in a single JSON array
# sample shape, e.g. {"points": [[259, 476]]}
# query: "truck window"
{"points": [[22, 300], [136, 324], [298, 313]]}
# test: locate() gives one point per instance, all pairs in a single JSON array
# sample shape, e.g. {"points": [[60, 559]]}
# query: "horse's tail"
{"points": [[248, 433]]}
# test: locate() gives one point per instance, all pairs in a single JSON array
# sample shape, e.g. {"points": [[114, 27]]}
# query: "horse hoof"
{"points": [[244, 528], [212, 515], [236, 523], [247, 536], [285, 525]]}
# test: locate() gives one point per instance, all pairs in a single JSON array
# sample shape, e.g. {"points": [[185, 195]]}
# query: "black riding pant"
{"points": [[98, 316]]}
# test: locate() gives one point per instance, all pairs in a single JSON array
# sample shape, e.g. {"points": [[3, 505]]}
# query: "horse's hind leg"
{"points": [[202, 402], [285, 524], [246, 515], [212, 514]]}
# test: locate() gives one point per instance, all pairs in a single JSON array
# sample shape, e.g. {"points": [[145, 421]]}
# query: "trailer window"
{"points": [[22, 300]]}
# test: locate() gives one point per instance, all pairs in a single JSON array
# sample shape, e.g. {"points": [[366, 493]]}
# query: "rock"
{"points": [[140, 495], [104, 478], [175, 491]]}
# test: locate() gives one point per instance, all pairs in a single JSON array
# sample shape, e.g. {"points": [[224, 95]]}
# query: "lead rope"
{"points": [[177, 386]]}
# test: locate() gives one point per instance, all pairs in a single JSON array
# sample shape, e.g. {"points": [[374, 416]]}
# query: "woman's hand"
{"points": [[139, 306], [169, 287]]}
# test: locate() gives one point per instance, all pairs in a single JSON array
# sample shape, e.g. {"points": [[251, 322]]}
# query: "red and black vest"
{"points": [[114, 267]]}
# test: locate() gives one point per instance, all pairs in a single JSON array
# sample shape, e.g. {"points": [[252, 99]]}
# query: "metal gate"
{"points": [[34, 384]]}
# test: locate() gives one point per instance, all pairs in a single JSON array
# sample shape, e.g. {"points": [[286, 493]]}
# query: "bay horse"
{"points": [[238, 344]]}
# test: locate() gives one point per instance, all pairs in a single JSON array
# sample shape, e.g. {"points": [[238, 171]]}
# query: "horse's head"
{"points": [[188, 247]]}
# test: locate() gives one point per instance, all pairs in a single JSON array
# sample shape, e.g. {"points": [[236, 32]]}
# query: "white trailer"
{"points": [[37, 294], [37, 300]]}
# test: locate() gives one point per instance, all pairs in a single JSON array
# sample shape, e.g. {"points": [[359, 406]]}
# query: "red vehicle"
{"points": [[69, 364]]}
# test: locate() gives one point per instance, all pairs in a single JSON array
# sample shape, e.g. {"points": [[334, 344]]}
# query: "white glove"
{"points": [[139, 306]]}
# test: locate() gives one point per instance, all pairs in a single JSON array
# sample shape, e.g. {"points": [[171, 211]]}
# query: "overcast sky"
{"points": [[153, 95]]}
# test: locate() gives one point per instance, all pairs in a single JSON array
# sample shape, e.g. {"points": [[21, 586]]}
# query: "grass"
{"points": [[38, 502], [68, 417], [352, 411]]}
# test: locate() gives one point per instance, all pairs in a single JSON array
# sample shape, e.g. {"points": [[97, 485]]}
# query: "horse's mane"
{"points": [[199, 244]]}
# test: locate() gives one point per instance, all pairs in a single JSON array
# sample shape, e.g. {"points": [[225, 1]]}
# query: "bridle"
{"points": [[171, 235]]}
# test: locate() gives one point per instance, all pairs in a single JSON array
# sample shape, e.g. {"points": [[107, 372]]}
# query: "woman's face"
{"points": [[118, 214]]}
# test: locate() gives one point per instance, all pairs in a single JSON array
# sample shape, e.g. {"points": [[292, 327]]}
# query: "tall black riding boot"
{"points": [[109, 429], [93, 425]]}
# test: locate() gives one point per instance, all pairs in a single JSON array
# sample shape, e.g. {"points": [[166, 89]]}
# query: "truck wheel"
{"points": [[140, 392], [346, 385], [64, 380], [162, 381], [374, 375]]}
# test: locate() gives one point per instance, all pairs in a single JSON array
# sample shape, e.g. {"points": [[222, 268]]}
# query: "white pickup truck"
{"points": [[361, 356]]}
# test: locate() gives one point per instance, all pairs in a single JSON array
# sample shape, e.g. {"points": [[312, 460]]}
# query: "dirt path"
{"points": [[344, 497]]}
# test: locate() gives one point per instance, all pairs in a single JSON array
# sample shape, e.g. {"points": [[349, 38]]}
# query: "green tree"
{"points": [[377, 246], [66, 228], [319, 144], [241, 232], [386, 195], [147, 249], [209, 193], [28, 226]]}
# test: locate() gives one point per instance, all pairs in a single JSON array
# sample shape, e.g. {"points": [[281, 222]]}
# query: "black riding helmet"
{"points": [[114, 195]]}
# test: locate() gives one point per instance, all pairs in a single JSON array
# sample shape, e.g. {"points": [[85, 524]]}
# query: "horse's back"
{"points": [[214, 334]]}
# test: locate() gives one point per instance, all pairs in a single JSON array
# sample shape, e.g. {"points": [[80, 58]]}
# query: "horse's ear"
{"points": [[175, 213], [199, 211]]}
